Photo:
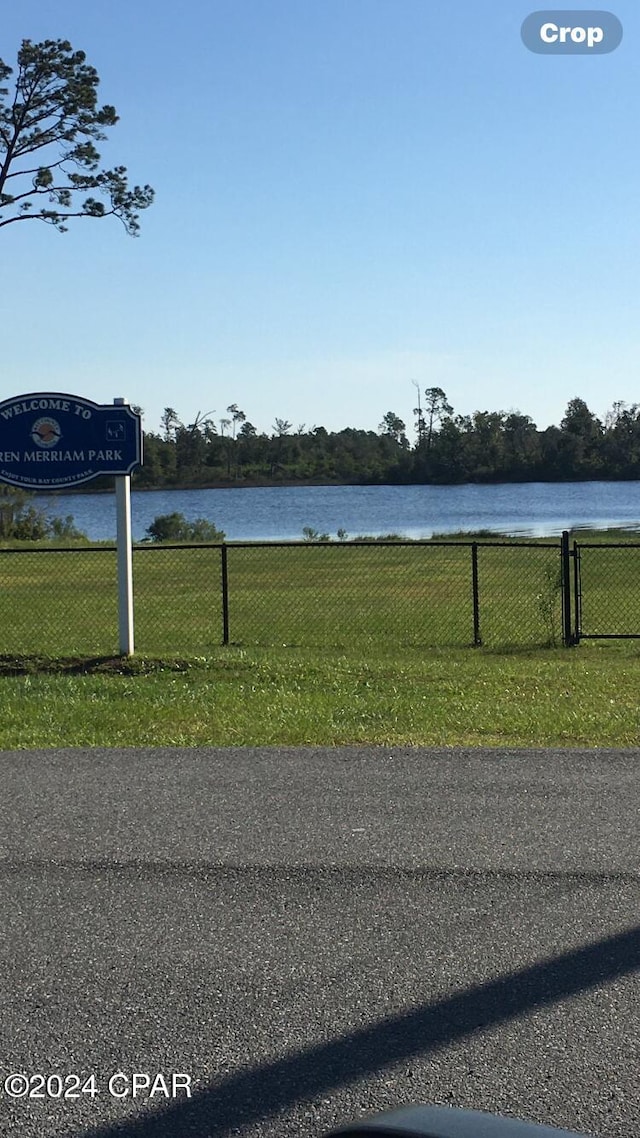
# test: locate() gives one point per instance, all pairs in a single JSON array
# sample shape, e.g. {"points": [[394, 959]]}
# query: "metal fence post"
{"points": [[577, 593], [477, 639], [567, 631], [225, 594]]}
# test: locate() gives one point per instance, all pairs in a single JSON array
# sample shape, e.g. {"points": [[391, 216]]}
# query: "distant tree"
{"points": [[521, 446], [237, 416], [551, 460], [435, 408], [581, 438], [280, 447], [485, 443], [393, 426], [170, 423], [617, 413], [579, 420], [448, 460], [191, 450], [621, 441], [48, 127], [159, 466]]}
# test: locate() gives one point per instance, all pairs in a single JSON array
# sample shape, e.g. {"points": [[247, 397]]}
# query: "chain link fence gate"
{"points": [[606, 587]]}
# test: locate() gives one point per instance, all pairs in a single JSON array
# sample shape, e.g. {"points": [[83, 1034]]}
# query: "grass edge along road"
{"points": [[585, 696]]}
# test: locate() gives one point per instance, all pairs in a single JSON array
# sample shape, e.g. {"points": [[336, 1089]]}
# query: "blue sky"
{"points": [[351, 195]]}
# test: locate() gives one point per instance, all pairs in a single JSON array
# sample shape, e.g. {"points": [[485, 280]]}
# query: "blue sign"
{"points": [[53, 441]]}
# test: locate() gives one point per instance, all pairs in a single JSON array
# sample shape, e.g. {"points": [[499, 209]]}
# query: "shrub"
{"points": [[310, 534], [29, 525], [20, 520], [175, 527], [64, 529], [380, 537]]}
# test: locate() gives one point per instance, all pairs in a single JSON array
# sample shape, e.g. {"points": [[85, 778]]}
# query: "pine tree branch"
{"points": [[36, 169], [53, 217]]}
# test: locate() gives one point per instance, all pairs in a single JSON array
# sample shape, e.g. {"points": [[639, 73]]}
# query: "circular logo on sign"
{"points": [[46, 432]]}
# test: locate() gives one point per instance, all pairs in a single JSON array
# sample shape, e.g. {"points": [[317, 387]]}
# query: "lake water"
{"points": [[533, 509]]}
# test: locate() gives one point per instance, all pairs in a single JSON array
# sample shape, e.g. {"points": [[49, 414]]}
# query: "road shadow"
{"points": [[252, 1095]]}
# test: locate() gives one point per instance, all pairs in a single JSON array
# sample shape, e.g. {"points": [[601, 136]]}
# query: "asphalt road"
{"points": [[314, 934]]}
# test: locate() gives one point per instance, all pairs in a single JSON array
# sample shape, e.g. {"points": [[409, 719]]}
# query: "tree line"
{"points": [[447, 448]]}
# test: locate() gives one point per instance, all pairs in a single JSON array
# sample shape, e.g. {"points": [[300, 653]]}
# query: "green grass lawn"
{"points": [[585, 696], [328, 645]]}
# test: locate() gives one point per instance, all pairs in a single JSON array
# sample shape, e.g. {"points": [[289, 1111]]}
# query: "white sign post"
{"points": [[125, 558]]}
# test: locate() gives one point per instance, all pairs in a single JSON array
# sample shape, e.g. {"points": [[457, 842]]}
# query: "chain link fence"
{"points": [[178, 599], [191, 599], [520, 594], [347, 594], [57, 602]]}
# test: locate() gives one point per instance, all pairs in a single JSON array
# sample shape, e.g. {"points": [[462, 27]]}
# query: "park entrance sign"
{"points": [[53, 441]]}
